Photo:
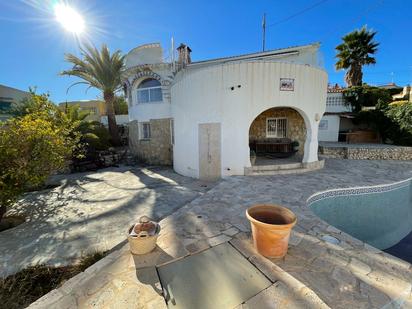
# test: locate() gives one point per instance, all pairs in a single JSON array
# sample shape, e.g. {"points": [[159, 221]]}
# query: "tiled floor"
{"points": [[91, 212], [315, 273]]}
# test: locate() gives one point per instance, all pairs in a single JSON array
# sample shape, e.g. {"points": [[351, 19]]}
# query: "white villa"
{"points": [[206, 117], [337, 117]]}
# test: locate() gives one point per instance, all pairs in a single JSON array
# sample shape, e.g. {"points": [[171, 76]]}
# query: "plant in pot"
{"points": [[143, 235], [295, 146], [252, 157]]}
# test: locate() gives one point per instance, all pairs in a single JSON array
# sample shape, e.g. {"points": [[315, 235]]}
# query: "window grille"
{"points": [[276, 127]]}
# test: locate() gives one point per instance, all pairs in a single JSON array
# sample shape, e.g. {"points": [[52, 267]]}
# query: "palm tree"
{"points": [[101, 70], [356, 50]]}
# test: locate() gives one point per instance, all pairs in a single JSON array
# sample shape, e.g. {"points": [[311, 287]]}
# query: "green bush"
{"points": [[366, 96], [120, 106], [32, 147], [95, 135], [21, 289], [401, 113]]}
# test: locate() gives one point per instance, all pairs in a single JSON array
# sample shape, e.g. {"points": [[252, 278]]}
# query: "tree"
{"points": [[357, 50], [32, 147], [120, 106], [101, 70]]}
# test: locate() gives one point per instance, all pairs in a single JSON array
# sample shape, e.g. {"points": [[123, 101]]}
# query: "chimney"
{"points": [[184, 55]]}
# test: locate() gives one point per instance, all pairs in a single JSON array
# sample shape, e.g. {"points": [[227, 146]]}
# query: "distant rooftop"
{"points": [[389, 86], [335, 88]]}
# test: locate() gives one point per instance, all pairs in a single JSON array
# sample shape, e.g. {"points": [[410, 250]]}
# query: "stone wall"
{"points": [[367, 153], [296, 129], [157, 149]]}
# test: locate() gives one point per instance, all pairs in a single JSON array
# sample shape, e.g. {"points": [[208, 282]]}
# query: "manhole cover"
{"points": [[219, 277]]}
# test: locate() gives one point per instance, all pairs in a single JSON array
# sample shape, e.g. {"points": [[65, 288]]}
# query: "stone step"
{"points": [[283, 169], [279, 172], [276, 167]]}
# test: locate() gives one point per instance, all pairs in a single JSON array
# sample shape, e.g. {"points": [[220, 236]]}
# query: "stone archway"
{"points": [[279, 124]]}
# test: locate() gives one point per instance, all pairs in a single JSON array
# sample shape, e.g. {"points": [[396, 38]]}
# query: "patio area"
{"points": [[89, 212], [316, 272]]}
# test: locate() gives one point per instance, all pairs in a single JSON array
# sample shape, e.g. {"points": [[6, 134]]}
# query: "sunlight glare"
{"points": [[68, 17]]}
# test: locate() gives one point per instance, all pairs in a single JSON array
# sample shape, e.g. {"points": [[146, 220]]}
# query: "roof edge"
{"points": [[272, 52], [148, 45]]}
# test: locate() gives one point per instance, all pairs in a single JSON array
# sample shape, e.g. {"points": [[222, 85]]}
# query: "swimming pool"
{"points": [[378, 215]]}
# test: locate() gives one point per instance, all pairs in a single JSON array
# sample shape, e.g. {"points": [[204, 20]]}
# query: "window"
{"points": [[5, 106], [276, 127], [148, 91], [145, 130], [323, 124]]}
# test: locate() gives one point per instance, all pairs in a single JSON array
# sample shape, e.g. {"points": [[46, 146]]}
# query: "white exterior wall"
{"points": [[151, 110], [335, 103], [203, 95], [331, 133], [147, 111], [145, 54]]}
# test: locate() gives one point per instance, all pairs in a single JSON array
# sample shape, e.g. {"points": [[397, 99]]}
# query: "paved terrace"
{"points": [[90, 212], [314, 274]]}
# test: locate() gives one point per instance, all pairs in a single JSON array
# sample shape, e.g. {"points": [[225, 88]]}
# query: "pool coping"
{"points": [[321, 195]]}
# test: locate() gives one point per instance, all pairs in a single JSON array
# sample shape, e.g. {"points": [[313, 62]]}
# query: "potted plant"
{"points": [[295, 146], [143, 235], [252, 157]]}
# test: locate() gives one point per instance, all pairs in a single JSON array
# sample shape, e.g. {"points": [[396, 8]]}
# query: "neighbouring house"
{"points": [[204, 117], [96, 110], [390, 86], [8, 97], [337, 117], [406, 94]]}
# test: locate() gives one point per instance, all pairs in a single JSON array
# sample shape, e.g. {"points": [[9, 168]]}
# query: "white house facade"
{"points": [[337, 116], [205, 117]]}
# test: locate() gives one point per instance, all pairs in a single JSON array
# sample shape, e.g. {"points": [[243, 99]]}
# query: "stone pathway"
{"points": [[314, 273], [90, 212]]}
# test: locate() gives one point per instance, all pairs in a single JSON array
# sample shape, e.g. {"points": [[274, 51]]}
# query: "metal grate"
{"points": [[276, 127]]}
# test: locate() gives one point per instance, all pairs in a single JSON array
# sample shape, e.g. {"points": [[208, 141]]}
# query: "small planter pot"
{"points": [[271, 226], [252, 160], [142, 236]]}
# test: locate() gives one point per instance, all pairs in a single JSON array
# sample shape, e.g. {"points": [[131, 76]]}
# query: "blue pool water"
{"points": [[380, 215]]}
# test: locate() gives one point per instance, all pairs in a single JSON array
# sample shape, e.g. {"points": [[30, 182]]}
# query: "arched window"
{"points": [[148, 91]]}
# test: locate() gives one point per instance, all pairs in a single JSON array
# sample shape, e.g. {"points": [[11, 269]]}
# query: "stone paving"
{"points": [[314, 274], [90, 212]]}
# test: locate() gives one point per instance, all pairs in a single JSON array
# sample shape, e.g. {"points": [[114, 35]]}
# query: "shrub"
{"points": [[32, 147], [360, 96], [401, 113], [95, 135], [28, 285], [120, 106]]}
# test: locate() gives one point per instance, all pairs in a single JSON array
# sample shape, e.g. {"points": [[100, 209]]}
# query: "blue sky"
{"points": [[33, 43]]}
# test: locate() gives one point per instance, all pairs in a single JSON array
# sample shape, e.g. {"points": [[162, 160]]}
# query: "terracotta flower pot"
{"points": [[271, 226]]}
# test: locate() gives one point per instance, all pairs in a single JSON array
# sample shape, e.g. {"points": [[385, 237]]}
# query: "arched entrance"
{"points": [[277, 136]]}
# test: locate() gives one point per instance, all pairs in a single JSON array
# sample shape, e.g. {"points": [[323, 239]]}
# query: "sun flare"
{"points": [[69, 18]]}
